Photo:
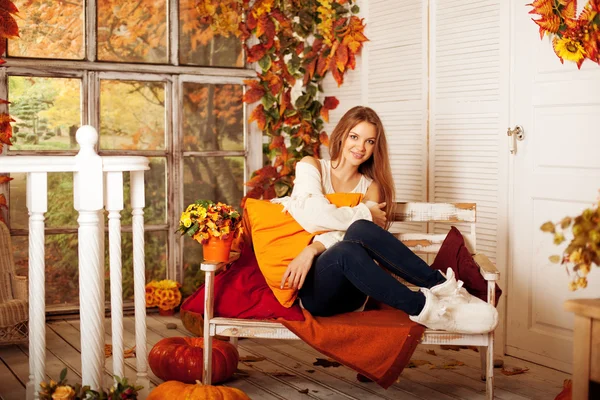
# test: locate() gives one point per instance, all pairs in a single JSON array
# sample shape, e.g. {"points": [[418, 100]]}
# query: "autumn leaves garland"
{"points": [[573, 38], [295, 43], [8, 30]]}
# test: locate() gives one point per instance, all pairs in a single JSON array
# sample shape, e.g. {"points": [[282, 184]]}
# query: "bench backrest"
{"points": [[430, 243]]}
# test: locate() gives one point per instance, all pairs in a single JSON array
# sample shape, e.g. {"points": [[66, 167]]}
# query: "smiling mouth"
{"points": [[357, 155]]}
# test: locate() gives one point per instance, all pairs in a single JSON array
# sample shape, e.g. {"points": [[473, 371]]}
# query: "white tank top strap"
{"points": [[361, 187]]}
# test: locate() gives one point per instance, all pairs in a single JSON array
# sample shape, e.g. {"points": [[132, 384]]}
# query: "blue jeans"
{"points": [[345, 274]]}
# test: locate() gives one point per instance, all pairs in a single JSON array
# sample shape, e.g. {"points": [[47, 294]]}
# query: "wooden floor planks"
{"points": [[283, 369]]}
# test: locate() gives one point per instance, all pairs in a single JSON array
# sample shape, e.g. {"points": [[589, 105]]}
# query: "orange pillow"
{"points": [[277, 239]]}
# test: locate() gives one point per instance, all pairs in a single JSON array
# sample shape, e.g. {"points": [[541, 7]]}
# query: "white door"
{"points": [[555, 172]]}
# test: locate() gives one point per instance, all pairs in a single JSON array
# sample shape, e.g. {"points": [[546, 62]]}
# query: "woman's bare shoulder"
{"points": [[373, 193]]}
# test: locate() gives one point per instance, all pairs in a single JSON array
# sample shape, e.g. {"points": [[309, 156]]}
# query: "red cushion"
{"points": [[454, 254], [242, 292]]}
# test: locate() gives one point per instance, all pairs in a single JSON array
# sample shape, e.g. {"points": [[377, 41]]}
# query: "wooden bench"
{"points": [[420, 243]]}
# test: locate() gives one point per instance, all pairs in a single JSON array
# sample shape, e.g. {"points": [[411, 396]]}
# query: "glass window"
{"points": [[132, 115], [213, 178], [213, 117], [47, 112], [49, 29], [198, 45], [132, 31]]}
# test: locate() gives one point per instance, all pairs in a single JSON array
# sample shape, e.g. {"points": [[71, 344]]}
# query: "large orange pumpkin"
{"points": [[181, 359], [174, 390]]}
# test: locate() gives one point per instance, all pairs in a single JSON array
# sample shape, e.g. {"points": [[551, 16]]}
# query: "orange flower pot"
{"points": [[217, 250]]}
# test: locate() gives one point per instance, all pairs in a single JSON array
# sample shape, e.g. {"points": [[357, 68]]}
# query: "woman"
{"points": [[337, 272]]}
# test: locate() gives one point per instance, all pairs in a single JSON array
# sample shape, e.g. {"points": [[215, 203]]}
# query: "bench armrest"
{"points": [[486, 267]]}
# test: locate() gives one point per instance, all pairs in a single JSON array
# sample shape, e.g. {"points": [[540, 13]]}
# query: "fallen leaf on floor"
{"points": [[281, 374], [304, 391], [252, 359], [432, 352], [450, 364], [171, 325], [310, 371], [321, 362], [127, 353], [241, 373], [508, 371], [417, 363]]}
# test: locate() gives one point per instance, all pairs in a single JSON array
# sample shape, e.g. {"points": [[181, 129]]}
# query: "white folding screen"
{"points": [[432, 70], [466, 109]]}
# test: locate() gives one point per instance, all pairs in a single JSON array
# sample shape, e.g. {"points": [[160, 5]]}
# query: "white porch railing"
{"points": [[98, 183]]}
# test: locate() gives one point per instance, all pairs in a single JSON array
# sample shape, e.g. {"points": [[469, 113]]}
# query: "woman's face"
{"points": [[360, 143]]}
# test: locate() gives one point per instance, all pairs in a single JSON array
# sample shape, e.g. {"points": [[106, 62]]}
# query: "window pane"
{"points": [[132, 115], [199, 46], [155, 247], [193, 276], [47, 112], [62, 269], [155, 183], [49, 30], [212, 117], [213, 178], [61, 213], [132, 31]]}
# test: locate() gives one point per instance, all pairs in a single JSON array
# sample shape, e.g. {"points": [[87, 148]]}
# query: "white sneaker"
{"points": [[474, 317], [453, 292]]}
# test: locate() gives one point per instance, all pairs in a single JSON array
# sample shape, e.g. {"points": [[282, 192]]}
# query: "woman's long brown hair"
{"points": [[377, 167]]}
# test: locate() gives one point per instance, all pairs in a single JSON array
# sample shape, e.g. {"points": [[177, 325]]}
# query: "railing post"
{"points": [[37, 204], [138, 202], [114, 206], [88, 190]]}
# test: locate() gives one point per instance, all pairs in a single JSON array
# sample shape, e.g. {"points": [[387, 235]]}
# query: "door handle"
{"points": [[514, 134]]}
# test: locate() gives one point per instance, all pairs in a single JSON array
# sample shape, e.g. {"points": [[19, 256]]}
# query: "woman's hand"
{"points": [[378, 214], [297, 270]]}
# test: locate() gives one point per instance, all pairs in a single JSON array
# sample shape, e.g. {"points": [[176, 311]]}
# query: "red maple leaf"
{"points": [[255, 91], [8, 6], [330, 103], [258, 115], [8, 25]]}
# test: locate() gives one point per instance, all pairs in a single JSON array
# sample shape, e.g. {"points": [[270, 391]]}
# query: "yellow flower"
{"points": [[569, 49], [63, 393], [575, 256]]}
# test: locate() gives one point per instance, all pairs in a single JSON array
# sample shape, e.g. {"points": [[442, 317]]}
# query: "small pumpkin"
{"points": [[181, 359], [174, 390]]}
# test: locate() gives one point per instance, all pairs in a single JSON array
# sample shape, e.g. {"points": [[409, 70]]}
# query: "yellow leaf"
{"points": [[554, 259]]}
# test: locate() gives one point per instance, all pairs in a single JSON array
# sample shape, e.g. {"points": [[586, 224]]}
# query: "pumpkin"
{"points": [[174, 390], [181, 359]]}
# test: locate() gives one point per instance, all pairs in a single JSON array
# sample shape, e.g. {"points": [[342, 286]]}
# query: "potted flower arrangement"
{"points": [[62, 391], [214, 225], [584, 249], [163, 294]]}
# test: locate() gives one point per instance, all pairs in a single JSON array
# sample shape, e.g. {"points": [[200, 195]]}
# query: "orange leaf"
{"points": [[4, 179], [337, 75], [277, 142], [256, 52], [341, 57], [2, 101], [330, 103], [324, 138], [258, 115], [8, 6], [8, 25], [254, 94]]}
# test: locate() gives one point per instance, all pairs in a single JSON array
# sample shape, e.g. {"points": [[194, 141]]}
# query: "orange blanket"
{"points": [[376, 343]]}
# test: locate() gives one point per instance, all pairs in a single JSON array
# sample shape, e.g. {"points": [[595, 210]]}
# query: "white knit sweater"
{"points": [[311, 209]]}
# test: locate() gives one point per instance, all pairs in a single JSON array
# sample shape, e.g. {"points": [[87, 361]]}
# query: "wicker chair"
{"points": [[14, 308]]}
